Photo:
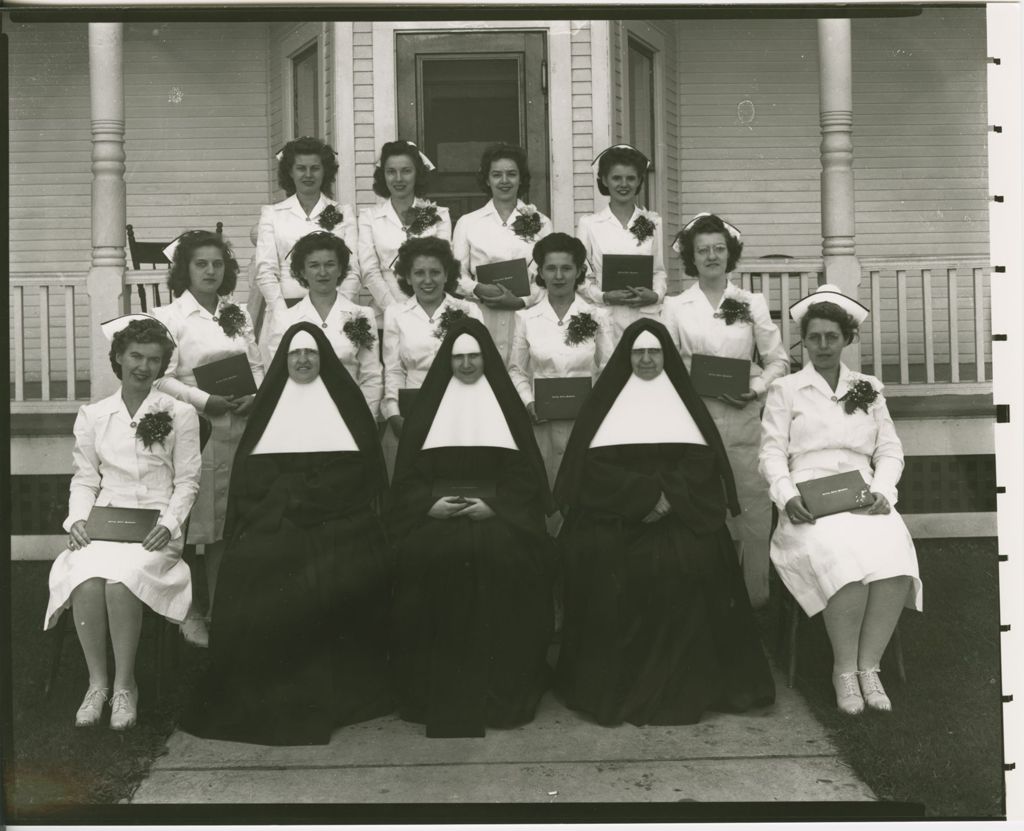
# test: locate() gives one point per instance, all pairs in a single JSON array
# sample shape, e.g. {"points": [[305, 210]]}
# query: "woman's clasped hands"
{"points": [[659, 510], [221, 404], [460, 506]]}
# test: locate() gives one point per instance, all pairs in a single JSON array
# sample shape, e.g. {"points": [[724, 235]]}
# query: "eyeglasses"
{"points": [[705, 251]]}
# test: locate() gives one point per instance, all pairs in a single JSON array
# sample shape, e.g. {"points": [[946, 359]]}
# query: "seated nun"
{"points": [[658, 627], [472, 613], [298, 637]]}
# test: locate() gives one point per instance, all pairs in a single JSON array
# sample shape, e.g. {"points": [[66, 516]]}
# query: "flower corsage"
{"points": [[582, 327], [359, 332], [448, 317], [861, 395], [329, 217], [420, 217], [643, 227], [231, 320], [154, 427], [527, 224], [733, 310]]}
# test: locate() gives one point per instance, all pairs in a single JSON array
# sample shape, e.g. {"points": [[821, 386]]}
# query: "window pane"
{"points": [[306, 121], [641, 105]]}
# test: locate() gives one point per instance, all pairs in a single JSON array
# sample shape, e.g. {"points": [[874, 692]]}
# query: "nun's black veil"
{"points": [[607, 389], [345, 394], [417, 425]]}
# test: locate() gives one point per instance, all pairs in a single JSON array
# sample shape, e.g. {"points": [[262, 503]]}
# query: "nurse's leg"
{"points": [[844, 616], [124, 610], [89, 608], [886, 599]]}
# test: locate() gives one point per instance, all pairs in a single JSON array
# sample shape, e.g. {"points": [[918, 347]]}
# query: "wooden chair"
{"points": [[166, 633], [151, 254]]}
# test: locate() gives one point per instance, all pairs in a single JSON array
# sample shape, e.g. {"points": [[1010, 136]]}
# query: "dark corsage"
{"points": [[154, 427], [642, 227], [861, 395], [528, 223], [420, 217], [582, 327], [329, 217], [359, 332], [733, 310], [448, 317], [231, 320]]}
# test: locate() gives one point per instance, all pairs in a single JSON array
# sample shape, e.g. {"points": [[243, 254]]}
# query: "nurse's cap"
{"points": [[597, 158], [646, 340], [303, 340], [832, 294], [465, 344], [115, 325]]}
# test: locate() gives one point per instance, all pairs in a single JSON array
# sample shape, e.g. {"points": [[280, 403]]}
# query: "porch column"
{"points": [[838, 231], [105, 283]]}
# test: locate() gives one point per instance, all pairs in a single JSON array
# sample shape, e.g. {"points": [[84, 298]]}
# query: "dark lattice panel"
{"points": [[39, 504], [948, 484]]}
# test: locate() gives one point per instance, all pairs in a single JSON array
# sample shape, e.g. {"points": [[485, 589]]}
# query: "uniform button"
{"points": [[834, 398], [324, 325], [134, 424]]}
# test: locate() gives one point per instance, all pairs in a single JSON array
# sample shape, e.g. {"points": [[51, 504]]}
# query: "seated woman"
{"points": [[472, 611], [297, 643], [318, 263], [658, 627], [859, 568], [138, 448]]}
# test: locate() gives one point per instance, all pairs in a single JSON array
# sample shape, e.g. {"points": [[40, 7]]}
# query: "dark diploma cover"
{"points": [[120, 524], [512, 274], [560, 398], [228, 376], [620, 271], [835, 494], [713, 376], [406, 399], [471, 488]]}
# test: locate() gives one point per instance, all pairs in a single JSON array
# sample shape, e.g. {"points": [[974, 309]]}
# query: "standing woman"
{"points": [[716, 317], [306, 170], [506, 228], [400, 179], [623, 228], [138, 448], [318, 262], [207, 328]]}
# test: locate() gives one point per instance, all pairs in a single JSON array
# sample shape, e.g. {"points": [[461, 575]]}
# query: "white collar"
{"points": [[648, 412], [305, 420], [292, 204], [491, 209], [469, 415], [607, 216], [546, 310], [114, 404], [808, 376], [190, 305]]}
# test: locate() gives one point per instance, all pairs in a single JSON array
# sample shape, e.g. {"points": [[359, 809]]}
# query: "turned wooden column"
{"points": [[838, 226], [105, 282]]}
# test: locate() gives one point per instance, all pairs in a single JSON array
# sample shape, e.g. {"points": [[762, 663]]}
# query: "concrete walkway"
{"points": [[778, 754]]}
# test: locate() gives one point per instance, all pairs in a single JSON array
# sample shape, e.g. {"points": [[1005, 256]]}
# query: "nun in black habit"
{"points": [[658, 627], [472, 611], [298, 636]]}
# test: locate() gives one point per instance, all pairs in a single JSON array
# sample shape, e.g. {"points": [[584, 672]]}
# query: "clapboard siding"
{"points": [[362, 111], [583, 149]]}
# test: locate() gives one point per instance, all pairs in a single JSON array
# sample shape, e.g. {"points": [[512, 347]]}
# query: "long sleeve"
{"points": [[519, 362], [671, 322], [252, 350], [187, 460], [590, 288], [659, 280], [268, 277], [605, 342], [536, 292], [370, 380], [887, 459], [350, 284], [460, 248], [774, 357], [369, 263], [170, 383], [85, 467], [773, 460], [394, 372]]}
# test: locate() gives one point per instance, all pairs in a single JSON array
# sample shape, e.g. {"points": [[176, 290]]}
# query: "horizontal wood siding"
{"points": [[583, 149], [366, 139]]}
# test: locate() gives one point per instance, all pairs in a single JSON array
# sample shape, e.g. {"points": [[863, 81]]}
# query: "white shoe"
{"points": [[848, 697], [873, 691], [194, 631], [91, 711], [124, 706]]}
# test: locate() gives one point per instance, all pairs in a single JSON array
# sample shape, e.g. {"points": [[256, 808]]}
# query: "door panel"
{"points": [[460, 92]]}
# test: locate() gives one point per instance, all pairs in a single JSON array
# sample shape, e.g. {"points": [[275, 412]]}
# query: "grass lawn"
{"points": [[942, 744]]}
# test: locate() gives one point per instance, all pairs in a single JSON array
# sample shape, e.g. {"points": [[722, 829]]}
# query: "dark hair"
{"points": [[190, 242], [511, 152], [560, 243], [318, 241], [140, 331], [401, 147], [620, 155], [709, 224], [827, 310], [427, 247], [307, 146]]}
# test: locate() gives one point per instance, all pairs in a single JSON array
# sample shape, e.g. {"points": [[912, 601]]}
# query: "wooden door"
{"points": [[458, 92]]}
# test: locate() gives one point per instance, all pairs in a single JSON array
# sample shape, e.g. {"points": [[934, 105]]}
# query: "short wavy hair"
{"points": [[512, 152], [401, 147], [435, 247], [140, 331], [710, 224], [318, 241], [188, 243], [827, 310], [560, 243], [307, 146], [620, 155]]}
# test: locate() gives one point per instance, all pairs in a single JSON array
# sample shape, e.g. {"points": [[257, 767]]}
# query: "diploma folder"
{"points": [[713, 376], [120, 524], [473, 488], [560, 398], [228, 376], [619, 271], [406, 399], [835, 494], [512, 274]]}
